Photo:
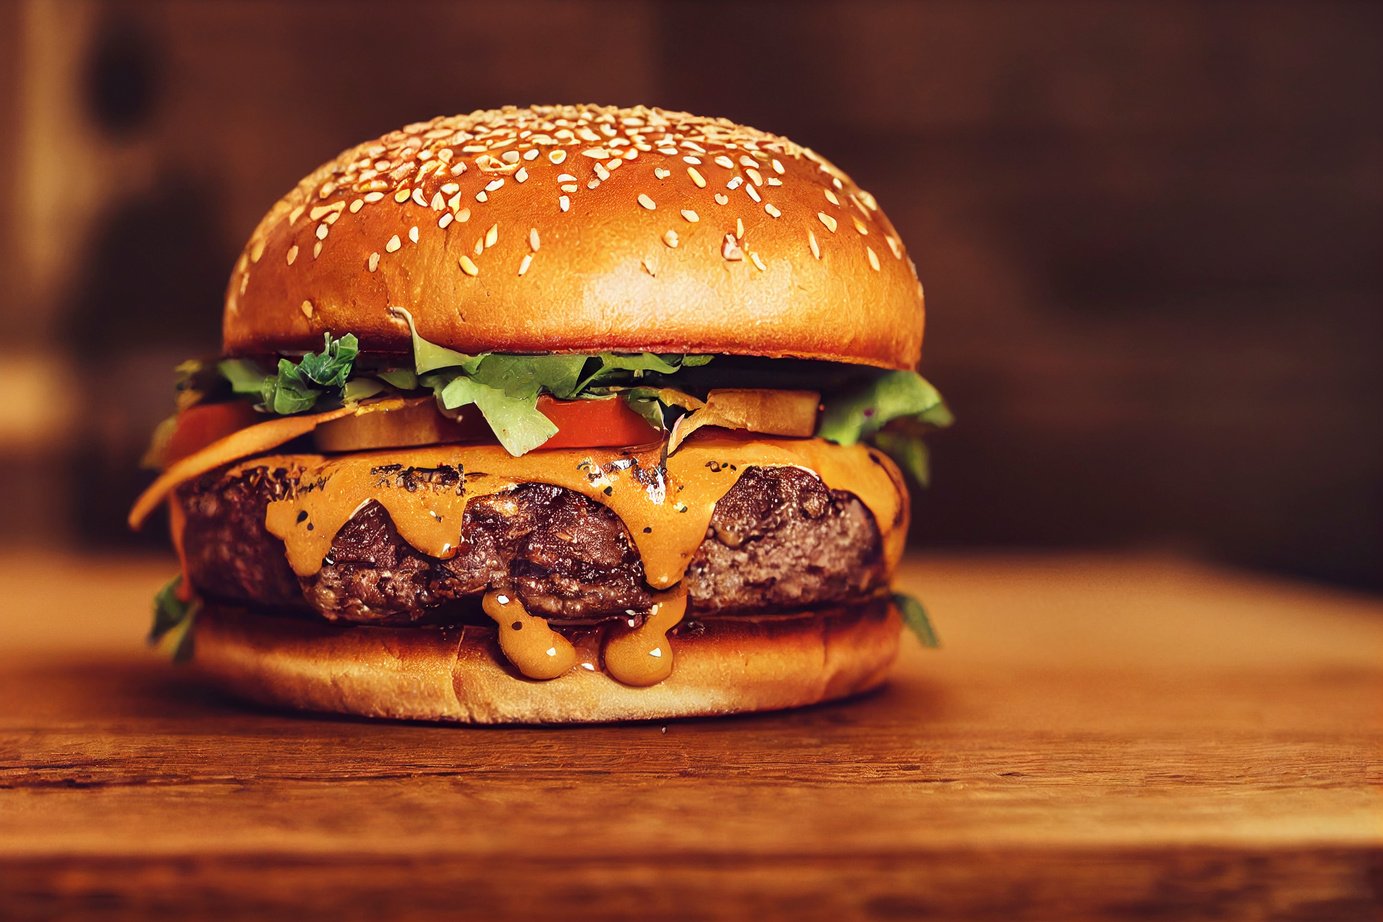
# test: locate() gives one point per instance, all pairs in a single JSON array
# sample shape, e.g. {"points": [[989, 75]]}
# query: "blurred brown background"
{"points": [[1151, 232]]}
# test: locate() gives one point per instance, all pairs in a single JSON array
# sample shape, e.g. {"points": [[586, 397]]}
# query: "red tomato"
{"points": [[595, 423], [200, 425]]}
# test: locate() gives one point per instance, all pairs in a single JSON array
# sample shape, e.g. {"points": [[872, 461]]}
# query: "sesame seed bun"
{"points": [[581, 229], [731, 665]]}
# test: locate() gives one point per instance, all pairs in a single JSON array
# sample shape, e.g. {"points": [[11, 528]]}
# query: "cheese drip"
{"points": [[666, 513], [642, 655], [528, 642]]}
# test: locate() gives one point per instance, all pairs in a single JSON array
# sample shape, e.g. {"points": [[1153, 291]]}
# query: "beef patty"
{"points": [[779, 540]]}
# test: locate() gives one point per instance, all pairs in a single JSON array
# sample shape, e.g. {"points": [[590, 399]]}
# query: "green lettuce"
{"points": [[173, 618], [505, 387], [915, 619], [295, 387], [892, 411]]}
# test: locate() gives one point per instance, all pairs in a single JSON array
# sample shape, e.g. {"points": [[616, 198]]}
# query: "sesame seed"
{"points": [[739, 228], [755, 176], [596, 153], [479, 246], [373, 197], [306, 308], [661, 173], [393, 245], [492, 236], [811, 242], [556, 156], [413, 233], [292, 254], [826, 219], [450, 188], [570, 187], [725, 161], [894, 247], [861, 227], [565, 177], [510, 156], [521, 175], [735, 183], [773, 181], [322, 230], [463, 216], [772, 210], [525, 263], [494, 184], [531, 154], [722, 198], [357, 205], [614, 164], [445, 220], [730, 249], [694, 161], [690, 215], [321, 211], [563, 203], [777, 166], [831, 197], [754, 257], [533, 240], [468, 266], [482, 196], [419, 198], [753, 193], [602, 173], [454, 202], [373, 262], [438, 203], [873, 258], [648, 267], [646, 202], [670, 238], [316, 249], [696, 177]]}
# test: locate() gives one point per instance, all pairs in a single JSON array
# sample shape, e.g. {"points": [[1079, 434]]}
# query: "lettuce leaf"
{"points": [[296, 387], [515, 419], [916, 620], [892, 411], [173, 618], [858, 414], [428, 356]]}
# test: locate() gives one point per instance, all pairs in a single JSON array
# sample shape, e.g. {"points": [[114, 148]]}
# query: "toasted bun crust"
{"points": [[581, 229], [459, 674]]}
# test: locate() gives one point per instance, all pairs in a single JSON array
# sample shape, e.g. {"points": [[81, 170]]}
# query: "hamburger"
{"points": [[553, 414]]}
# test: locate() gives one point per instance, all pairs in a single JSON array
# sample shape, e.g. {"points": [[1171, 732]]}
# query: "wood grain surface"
{"points": [[1099, 738]]}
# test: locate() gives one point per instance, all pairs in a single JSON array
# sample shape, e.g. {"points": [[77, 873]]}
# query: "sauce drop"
{"points": [[643, 655], [528, 642]]}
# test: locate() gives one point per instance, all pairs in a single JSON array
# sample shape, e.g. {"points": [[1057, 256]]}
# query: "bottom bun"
{"points": [[723, 666]]}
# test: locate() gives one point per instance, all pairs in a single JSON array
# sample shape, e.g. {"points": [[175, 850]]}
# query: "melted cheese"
{"points": [[666, 510], [425, 491]]}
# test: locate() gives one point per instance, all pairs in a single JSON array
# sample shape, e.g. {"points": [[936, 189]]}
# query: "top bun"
{"points": [[581, 229]]}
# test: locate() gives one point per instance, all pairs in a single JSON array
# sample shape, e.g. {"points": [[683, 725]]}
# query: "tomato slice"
{"points": [[200, 425], [600, 423]]}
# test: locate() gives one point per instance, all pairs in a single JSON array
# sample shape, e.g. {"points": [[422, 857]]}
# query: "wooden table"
{"points": [[1100, 737]]}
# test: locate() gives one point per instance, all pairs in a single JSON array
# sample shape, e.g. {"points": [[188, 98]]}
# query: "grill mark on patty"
{"points": [[779, 540]]}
